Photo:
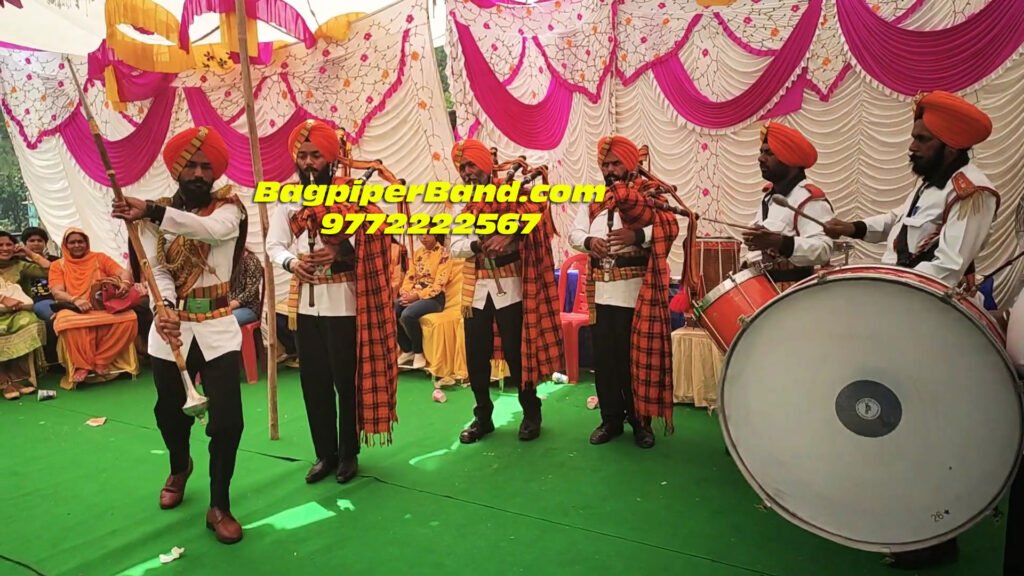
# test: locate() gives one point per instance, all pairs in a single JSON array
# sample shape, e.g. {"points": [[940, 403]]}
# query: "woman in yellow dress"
{"points": [[421, 293]]}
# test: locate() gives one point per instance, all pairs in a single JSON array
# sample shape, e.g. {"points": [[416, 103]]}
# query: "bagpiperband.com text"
{"points": [[430, 193]]}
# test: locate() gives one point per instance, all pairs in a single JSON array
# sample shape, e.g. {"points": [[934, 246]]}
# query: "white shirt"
{"points": [[460, 247], [331, 299], [961, 239], [811, 247], [619, 292], [220, 230]]}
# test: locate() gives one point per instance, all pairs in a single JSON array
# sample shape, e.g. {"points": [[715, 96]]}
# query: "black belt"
{"points": [[339, 266], [791, 275], [623, 261], [505, 259]]}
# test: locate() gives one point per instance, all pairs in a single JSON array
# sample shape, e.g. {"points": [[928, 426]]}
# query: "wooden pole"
{"points": [[195, 403], [257, 172]]}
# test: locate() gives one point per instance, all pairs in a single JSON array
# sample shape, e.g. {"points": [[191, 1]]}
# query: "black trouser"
{"points": [[480, 348], [284, 335], [327, 364], [612, 335], [222, 386], [1013, 555]]}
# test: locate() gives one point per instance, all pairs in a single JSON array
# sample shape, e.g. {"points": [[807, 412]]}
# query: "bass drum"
{"points": [[872, 408]]}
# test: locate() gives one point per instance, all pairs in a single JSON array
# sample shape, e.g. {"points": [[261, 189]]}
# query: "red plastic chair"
{"points": [[580, 315], [249, 353]]}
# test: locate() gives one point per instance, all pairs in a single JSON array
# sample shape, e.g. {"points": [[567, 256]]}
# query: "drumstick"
{"points": [[785, 204], [730, 224]]}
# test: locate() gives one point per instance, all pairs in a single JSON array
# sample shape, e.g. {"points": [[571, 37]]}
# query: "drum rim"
{"points": [[733, 280], [796, 519]]}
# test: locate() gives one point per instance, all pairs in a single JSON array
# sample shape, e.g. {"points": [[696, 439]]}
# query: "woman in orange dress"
{"points": [[92, 338]]}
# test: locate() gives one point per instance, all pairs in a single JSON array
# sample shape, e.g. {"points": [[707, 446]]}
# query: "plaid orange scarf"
{"points": [[376, 329], [651, 369], [542, 333]]}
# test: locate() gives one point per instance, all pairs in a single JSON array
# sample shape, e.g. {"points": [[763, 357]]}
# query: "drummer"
{"points": [[941, 228], [789, 244]]}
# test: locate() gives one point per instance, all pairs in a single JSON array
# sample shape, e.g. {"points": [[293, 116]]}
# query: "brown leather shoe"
{"points": [[529, 429], [174, 489], [476, 430], [605, 433], [224, 525], [347, 470]]}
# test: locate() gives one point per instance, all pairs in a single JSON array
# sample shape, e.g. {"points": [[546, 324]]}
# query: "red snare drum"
{"points": [[725, 310], [716, 259], [875, 407]]}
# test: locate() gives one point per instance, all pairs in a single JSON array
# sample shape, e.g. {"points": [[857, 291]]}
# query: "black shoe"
{"points": [[476, 430], [605, 433], [347, 470], [940, 554], [530, 428], [320, 470], [643, 437]]}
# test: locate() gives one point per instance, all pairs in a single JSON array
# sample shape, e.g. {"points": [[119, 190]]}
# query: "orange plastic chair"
{"points": [[249, 354], [579, 316]]}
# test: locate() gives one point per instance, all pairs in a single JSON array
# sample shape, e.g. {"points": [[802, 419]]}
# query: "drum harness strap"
{"points": [[905, 258]]}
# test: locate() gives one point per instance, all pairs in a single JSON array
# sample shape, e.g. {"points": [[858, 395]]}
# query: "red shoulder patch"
{"points": [[767, 188], [815, 192]]}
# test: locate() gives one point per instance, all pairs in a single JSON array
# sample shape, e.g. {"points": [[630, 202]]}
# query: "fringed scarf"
{"points": [[376, 329], [542, 334], [651, 369]]}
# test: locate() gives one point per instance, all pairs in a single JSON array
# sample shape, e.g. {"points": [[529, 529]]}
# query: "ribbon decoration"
{"points": [[151, 19]]}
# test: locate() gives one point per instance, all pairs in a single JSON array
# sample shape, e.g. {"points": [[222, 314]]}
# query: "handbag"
{"points": [[105, 296]]}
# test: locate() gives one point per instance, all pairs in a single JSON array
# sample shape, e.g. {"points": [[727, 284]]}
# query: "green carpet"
{"points": [[79, 500]]}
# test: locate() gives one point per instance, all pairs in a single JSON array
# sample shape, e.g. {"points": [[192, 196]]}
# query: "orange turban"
{"points": [[789, 145], [622, 147], [953, 120], [180, 149], [474, 151], [321, 135]]}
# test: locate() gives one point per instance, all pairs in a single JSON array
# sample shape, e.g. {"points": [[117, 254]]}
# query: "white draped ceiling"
{"points": [[862, 132]]}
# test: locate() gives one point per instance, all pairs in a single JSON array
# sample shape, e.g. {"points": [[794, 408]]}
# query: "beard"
{"points": [[926, 167], [311, 176], [196, 193], [611, 178]]}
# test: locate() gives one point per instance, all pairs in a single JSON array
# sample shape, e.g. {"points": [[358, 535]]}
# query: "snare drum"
{"points": [[716, 259], [874, 407], [730, 304]]}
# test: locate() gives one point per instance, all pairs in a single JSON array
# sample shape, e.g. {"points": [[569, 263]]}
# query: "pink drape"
{"points": [[277, 164], [952, 59], [539, 126], [131, 156], [687, 99]]}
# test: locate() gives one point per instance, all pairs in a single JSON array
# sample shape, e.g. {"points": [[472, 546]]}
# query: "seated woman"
{"points": [[247, 290], [21, 333], [421, 293], [92, 338], [35, 240]]}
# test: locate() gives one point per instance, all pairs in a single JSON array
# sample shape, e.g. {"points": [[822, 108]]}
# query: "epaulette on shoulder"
{"points": [[965, 188], [165, 201], [815, 192], [223, 193]]}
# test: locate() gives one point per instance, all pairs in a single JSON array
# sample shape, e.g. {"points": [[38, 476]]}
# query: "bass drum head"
{"points": [[871, 412]]}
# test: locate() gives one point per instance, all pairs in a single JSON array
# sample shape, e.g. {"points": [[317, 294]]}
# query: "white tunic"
{"points": [[331, 299], [220, 230], [961, 239], [811, 247], [617, 293], [461, 248]]}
